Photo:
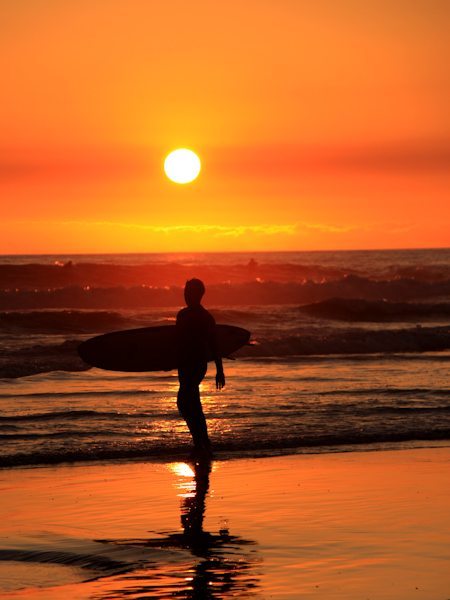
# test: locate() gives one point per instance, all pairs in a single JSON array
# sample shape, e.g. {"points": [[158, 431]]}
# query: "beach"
{"points": [[341, 525]]}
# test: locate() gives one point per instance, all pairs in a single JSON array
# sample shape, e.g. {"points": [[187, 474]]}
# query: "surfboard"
{"points": [[150, 348]]}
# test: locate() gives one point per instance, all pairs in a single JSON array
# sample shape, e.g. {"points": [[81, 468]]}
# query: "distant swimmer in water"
{"points": [[196, 338]]}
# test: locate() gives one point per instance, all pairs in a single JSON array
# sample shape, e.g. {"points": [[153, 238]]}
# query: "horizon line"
{"points": [[227, 251]]}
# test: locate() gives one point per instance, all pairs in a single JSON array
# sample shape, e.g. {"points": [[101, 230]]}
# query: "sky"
{"points": [[320, 125]]}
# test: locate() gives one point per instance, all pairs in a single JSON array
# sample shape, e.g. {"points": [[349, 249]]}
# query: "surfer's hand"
{"points": [[220, 380]]}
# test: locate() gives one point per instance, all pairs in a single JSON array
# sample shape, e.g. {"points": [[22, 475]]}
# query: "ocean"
{"points": [[350, 350]]}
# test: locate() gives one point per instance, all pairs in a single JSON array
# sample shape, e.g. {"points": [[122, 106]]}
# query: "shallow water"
{"points": [[349, 348], [268, 406]]}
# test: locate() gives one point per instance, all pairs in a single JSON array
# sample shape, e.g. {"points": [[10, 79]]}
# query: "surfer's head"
{"points": [[193, 291]]}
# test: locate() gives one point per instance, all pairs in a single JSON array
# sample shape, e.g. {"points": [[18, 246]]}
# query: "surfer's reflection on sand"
{"points": [[225, 564], [225, 569]]}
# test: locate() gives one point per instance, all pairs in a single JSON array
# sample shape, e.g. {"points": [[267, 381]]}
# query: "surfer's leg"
{"points": [[191, 411], [190, 407], [184, 403], [201, 439]]}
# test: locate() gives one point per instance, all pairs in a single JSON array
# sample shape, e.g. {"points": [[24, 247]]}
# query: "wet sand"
{"points": [[356, 525]]}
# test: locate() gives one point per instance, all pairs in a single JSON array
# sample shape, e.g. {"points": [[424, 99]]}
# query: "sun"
{"points": [[182, 165]]}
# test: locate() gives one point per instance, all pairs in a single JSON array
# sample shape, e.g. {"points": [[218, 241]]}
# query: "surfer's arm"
{"points": [[220, 375]]}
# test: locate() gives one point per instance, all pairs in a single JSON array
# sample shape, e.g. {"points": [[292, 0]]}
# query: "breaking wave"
{"points": [[61, 321], [357, 309], [256, 292]]}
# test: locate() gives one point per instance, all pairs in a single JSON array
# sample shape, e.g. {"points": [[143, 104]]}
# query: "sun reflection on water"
{"points": [[182, 469], [185, 485]]}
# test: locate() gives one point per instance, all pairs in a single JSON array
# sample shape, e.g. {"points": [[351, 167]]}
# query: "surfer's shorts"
{"points": [[192, 375]]}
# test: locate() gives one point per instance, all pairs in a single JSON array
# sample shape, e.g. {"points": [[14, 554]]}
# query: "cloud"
{"points": [[325, 228], [291, 160], [218, 231], [214, 230], [221, 230], [77, 164]]}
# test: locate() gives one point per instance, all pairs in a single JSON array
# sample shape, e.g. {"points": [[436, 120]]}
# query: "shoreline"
{"points": [[225, 456], [330, 526]]}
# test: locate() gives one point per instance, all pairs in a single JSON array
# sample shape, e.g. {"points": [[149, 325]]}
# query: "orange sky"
{"points": [[320, 124]]}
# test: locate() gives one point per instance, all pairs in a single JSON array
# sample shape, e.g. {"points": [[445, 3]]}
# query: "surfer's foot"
{"points": [[202, 452]]}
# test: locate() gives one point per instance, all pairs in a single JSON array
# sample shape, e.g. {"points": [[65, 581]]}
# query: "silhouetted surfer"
{"points": [[196, 338]]}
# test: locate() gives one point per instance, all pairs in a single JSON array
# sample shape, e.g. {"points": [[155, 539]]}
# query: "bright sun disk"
{"points": [[182, 165]]}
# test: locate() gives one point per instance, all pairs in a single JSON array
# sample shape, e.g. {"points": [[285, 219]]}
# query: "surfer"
{"points": [[196, 338]]}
